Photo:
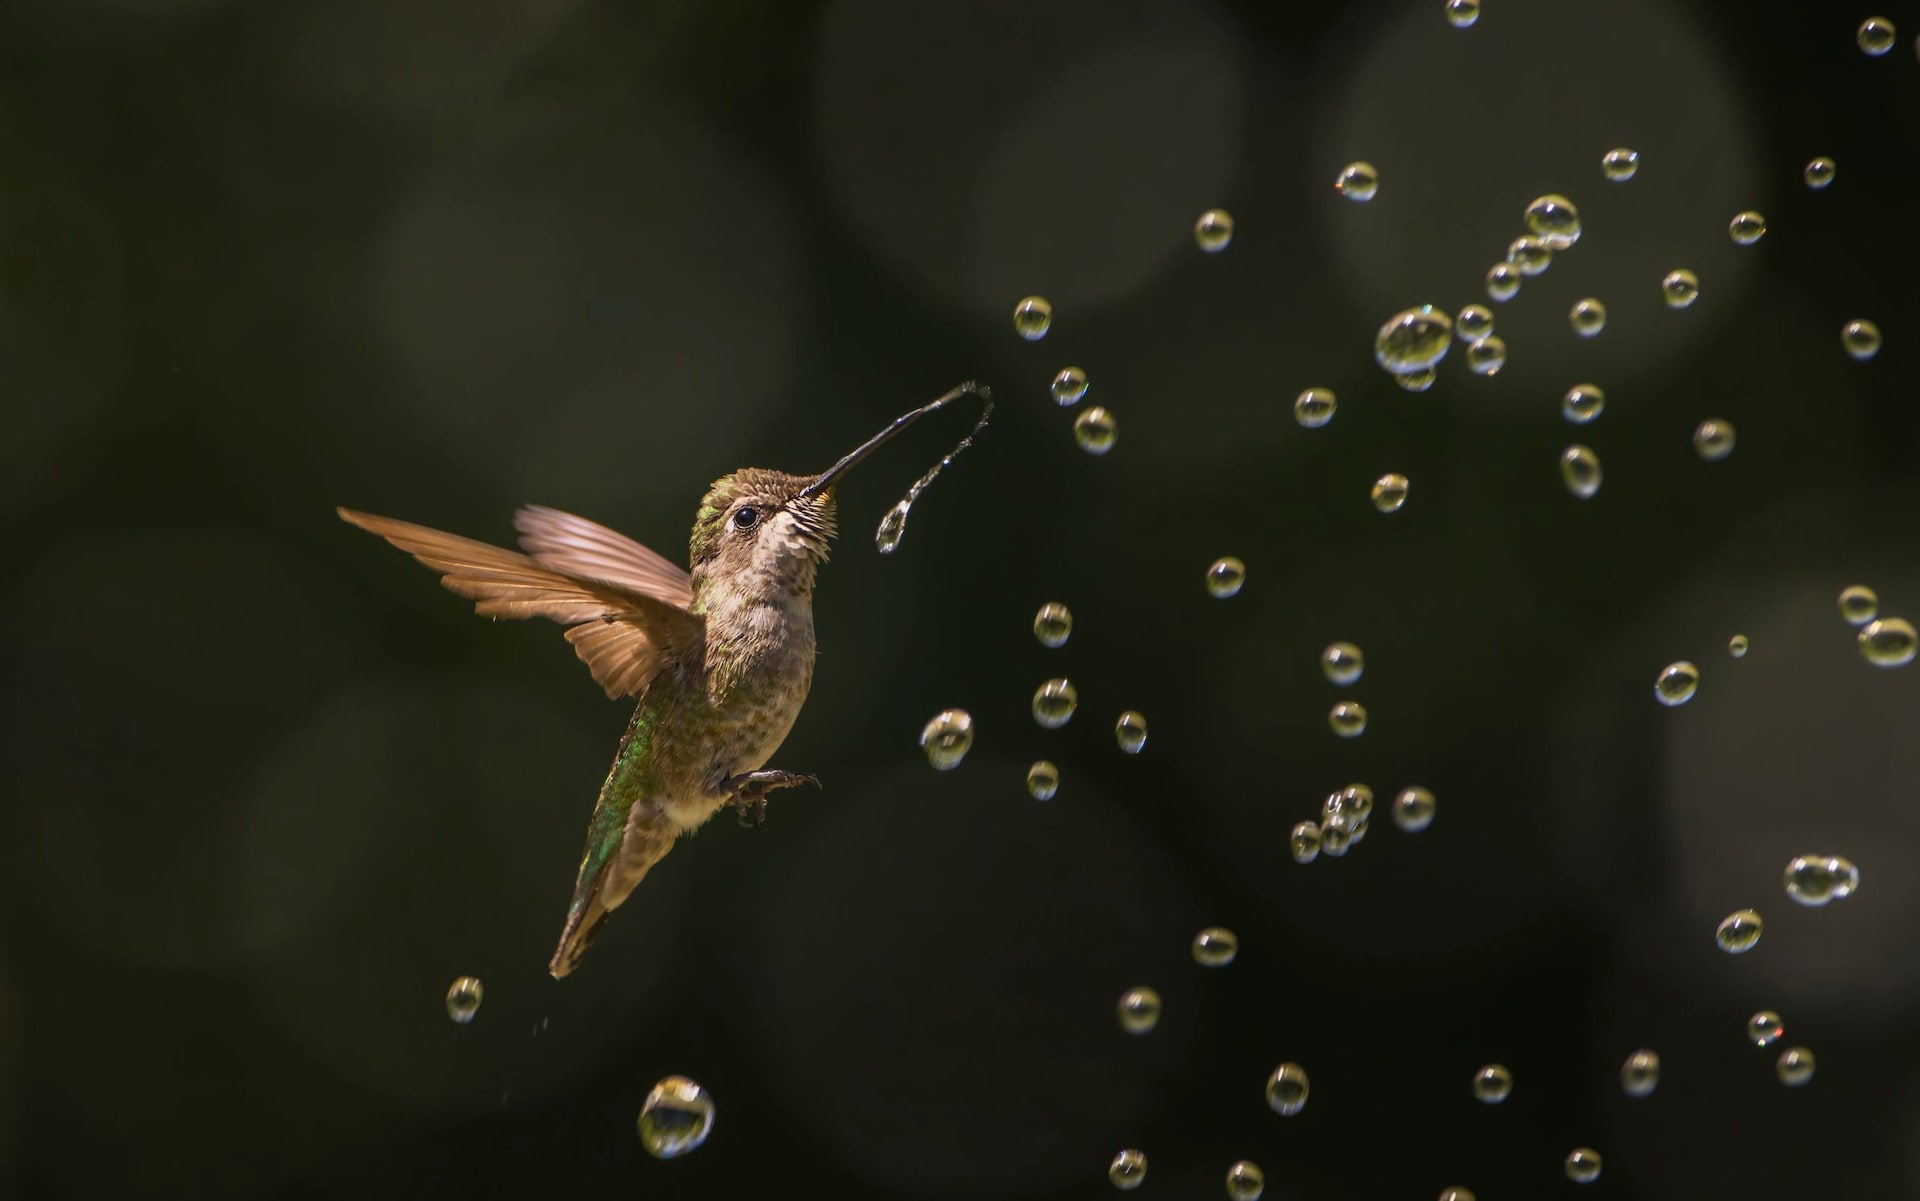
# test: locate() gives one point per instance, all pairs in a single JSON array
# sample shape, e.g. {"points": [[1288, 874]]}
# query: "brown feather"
{"points": [[624, 636], [592, 551]]}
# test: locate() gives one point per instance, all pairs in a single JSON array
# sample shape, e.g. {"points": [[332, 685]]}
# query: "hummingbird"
{"points": [[719, 655]]}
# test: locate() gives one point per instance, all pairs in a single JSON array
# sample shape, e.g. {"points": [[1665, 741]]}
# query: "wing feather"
{"points": [[590, 550], [624, 636]]}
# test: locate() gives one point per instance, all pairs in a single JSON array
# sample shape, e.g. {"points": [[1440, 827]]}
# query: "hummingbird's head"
{"points": [[763, 530]]}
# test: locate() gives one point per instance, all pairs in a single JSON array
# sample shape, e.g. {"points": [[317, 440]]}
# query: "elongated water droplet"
{"points": [[1052, 625], [1746, 228], [1580, 471], [1737, 646], [1314, 407], [1043, 780], [1304, 842], [1131, 732], [1287, 1089], [1032, 318], [1413, 340], [893, 527], [1738, 932], [463, 999], [675, 1118], [1676, 683], [1640, 1074]]}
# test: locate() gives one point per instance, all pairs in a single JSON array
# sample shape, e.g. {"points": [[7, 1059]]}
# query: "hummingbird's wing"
{"points": [[624, 636], [586, 548]]}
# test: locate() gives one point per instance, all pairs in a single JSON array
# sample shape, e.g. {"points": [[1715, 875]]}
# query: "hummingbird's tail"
{"points": [[604, 882]]}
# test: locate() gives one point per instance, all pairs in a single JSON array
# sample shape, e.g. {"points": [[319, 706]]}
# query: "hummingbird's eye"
{"points": [[744, 519]]}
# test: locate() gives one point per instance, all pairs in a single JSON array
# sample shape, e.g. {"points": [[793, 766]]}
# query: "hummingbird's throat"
{"points": [[893, 526]]}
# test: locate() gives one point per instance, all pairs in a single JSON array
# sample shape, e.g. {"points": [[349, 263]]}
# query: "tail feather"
{"points": [[604, 882]]}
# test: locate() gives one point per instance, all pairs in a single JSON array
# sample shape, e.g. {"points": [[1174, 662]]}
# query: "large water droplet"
{"points": [[1814, 880], [1583, 1165], [675, 1117], [1069, 386], [1213, 230], [1357, 181], [1492, 1084], [1413, 809], [1713, 439], [893, 527], [1888, 642], [1245, 1181], [1794, 1067], [1746, 228], [1053, 624], [1131, 731], [1095, 430], [1819, 173], [1128, 1169], [1640, 1074], [1676, 683], [1287, 1089], [1043, 780], [1139, 1010], [1348, 719], [1876, 36], [1390, 492], [1554, 220], [1680, 288], [1054, 703], [1738, 932], [947, 738], [1861, 339], [1580, 470], [1342, 663], [1032, 318], [1413, 340], [463, 999], [1225, 576], [1215, 946]]}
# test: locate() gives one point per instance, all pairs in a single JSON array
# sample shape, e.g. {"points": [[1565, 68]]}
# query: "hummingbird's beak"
{"points": [[831, 475]]}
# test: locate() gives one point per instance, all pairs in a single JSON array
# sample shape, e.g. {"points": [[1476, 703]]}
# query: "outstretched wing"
{"points": [[624, 634], [591, 551]]}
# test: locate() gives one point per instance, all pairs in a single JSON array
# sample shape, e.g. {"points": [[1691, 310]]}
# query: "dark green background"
{"points": [[268, 789]]}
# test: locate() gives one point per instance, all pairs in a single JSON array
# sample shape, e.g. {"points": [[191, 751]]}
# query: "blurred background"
{"points": [[268, 789]]}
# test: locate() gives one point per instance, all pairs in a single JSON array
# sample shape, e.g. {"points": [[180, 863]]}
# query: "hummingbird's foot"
{"points": [[750, 791]]}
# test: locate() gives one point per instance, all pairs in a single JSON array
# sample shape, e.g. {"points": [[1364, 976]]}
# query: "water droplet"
{"points": [[1342, 663], [1053, 624], [1043, 780], [1765, 1028], [1413, 340], [1861, 340], [1213, 230], [1390, 492], [1245, 1181], [947, 738], [1530, 254], [1640, 1074], [1858, 604], [1583, 403], [1131, 731], [1473, 323], [1346, 809], [1069, 386], [1335, 842], [1680, 287], [1876, 36], [1054, 703], [1461, 14], [1225, 576], [1846, 877], [1619, 165], [1413, 809], [463, 999], [1287, 1089], [1032, 318], [1555, 221], [1676, 683], [1588, 317], [1738, 932], [1416, 381], [1457, 1193], [1888, 642], [1811, 879], [1819, 172], [1580, 468], [1503, 282], [1583, 1165], [1713, 439], [1128, 1170], [1492, 1084], [1348, 719], [675, 1117], [1737, 646], [1487, 356], [1139, 1010], [1215, 946], [1095, 430], [1314, 408], [1304, 842], [1357, 181], [893, 527], [1747, 227], [1795, 1066]]}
